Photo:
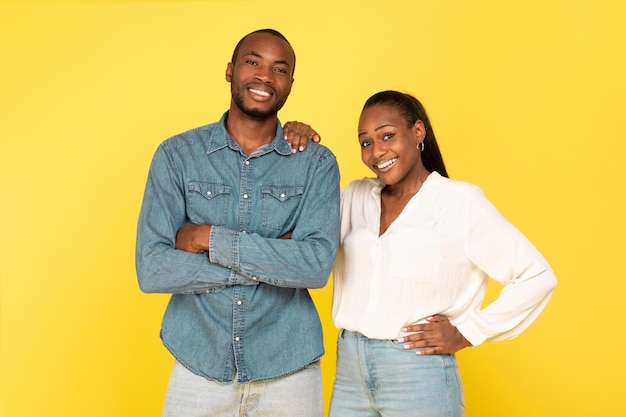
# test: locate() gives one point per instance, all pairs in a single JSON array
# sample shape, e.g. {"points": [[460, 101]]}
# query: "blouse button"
{"points": [[245, 196]]}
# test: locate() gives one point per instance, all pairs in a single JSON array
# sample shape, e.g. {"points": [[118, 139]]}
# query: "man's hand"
{"points": [[298, 134], [286, 236], [193, 238], [435, 337]]}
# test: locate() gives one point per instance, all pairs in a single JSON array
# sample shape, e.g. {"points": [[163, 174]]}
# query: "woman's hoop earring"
{"points": [[420, 146]]}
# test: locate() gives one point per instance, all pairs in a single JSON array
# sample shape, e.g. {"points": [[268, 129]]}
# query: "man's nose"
{"points": [[264, 74]]}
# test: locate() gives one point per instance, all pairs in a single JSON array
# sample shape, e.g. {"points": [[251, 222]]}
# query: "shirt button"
{"points": [[282, 195], [237, 339], [245, 196], [255, 279], [208, 193], [247, 162], [239, 302]]}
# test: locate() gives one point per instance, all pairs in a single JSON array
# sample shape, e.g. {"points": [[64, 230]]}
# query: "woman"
{"points": [[416, 252]]}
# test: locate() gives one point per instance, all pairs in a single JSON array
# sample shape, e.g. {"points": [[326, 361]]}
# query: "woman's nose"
{"points": [[378, 149]]}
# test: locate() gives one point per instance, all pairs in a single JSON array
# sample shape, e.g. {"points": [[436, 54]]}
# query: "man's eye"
{"points": [[281, 70], [251, 62], [365, 144]]}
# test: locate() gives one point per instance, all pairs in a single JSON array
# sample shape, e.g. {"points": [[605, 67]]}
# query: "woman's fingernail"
{"points": [[301, 148]]}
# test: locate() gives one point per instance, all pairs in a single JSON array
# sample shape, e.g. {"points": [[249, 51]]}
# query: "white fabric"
{"points": [[435, 258]]}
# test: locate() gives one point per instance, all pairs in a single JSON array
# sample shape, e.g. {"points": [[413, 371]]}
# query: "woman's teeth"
{"points": [[385, 164]]}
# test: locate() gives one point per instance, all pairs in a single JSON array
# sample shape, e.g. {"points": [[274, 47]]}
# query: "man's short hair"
{"points": [[268, 31]]}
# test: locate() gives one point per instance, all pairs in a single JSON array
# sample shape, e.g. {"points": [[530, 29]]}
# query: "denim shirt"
{"points": [[244, 305]]}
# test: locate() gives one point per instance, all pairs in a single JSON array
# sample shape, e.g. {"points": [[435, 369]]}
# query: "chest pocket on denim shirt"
{"points": [[207, 202], [280, 203]]}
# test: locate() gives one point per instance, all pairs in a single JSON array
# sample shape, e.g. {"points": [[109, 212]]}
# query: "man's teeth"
{"points": [[260, 92], [387, 163]]}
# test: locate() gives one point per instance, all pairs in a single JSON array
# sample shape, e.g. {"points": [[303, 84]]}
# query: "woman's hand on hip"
{"points": [[438, 336]]}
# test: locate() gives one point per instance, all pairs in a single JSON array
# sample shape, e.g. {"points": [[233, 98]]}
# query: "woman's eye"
{"points": [[365, 143], [388, 136]]}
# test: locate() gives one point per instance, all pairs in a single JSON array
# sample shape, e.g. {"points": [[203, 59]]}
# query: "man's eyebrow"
{"points": [[254, 54], [257, 55]]}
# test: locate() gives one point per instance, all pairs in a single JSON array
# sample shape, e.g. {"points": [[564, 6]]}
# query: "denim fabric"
{"points": [[380, 378], [245, 304], [295, 395]]}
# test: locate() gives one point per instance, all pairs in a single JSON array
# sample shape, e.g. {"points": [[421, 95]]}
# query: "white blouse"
{"points": [[435, 258]]}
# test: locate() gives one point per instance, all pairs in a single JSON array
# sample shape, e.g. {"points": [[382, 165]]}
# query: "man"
{"points": [[237, 227]]}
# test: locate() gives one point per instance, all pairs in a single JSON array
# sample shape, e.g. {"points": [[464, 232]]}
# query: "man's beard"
{"points": [[255, 113]]}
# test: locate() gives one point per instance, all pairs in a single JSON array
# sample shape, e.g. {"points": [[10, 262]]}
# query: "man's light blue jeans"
{"points": [[380, 378], [295, 395]]}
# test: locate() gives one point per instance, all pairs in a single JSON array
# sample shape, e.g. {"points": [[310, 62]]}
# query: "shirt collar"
{"points": [[220, 139]]}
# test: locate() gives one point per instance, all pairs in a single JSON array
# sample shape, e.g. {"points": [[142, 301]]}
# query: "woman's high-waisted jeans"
{"points": [[380, 378]]}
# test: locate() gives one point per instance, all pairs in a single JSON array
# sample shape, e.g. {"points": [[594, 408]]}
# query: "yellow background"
{"points": [[527, 100]]}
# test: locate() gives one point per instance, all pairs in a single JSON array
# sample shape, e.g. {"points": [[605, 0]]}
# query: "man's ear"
{"points": [[229, 72]]}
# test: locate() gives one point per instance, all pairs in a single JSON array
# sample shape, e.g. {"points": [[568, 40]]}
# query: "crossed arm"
{"points": [[167, 247], [196, 238]]}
